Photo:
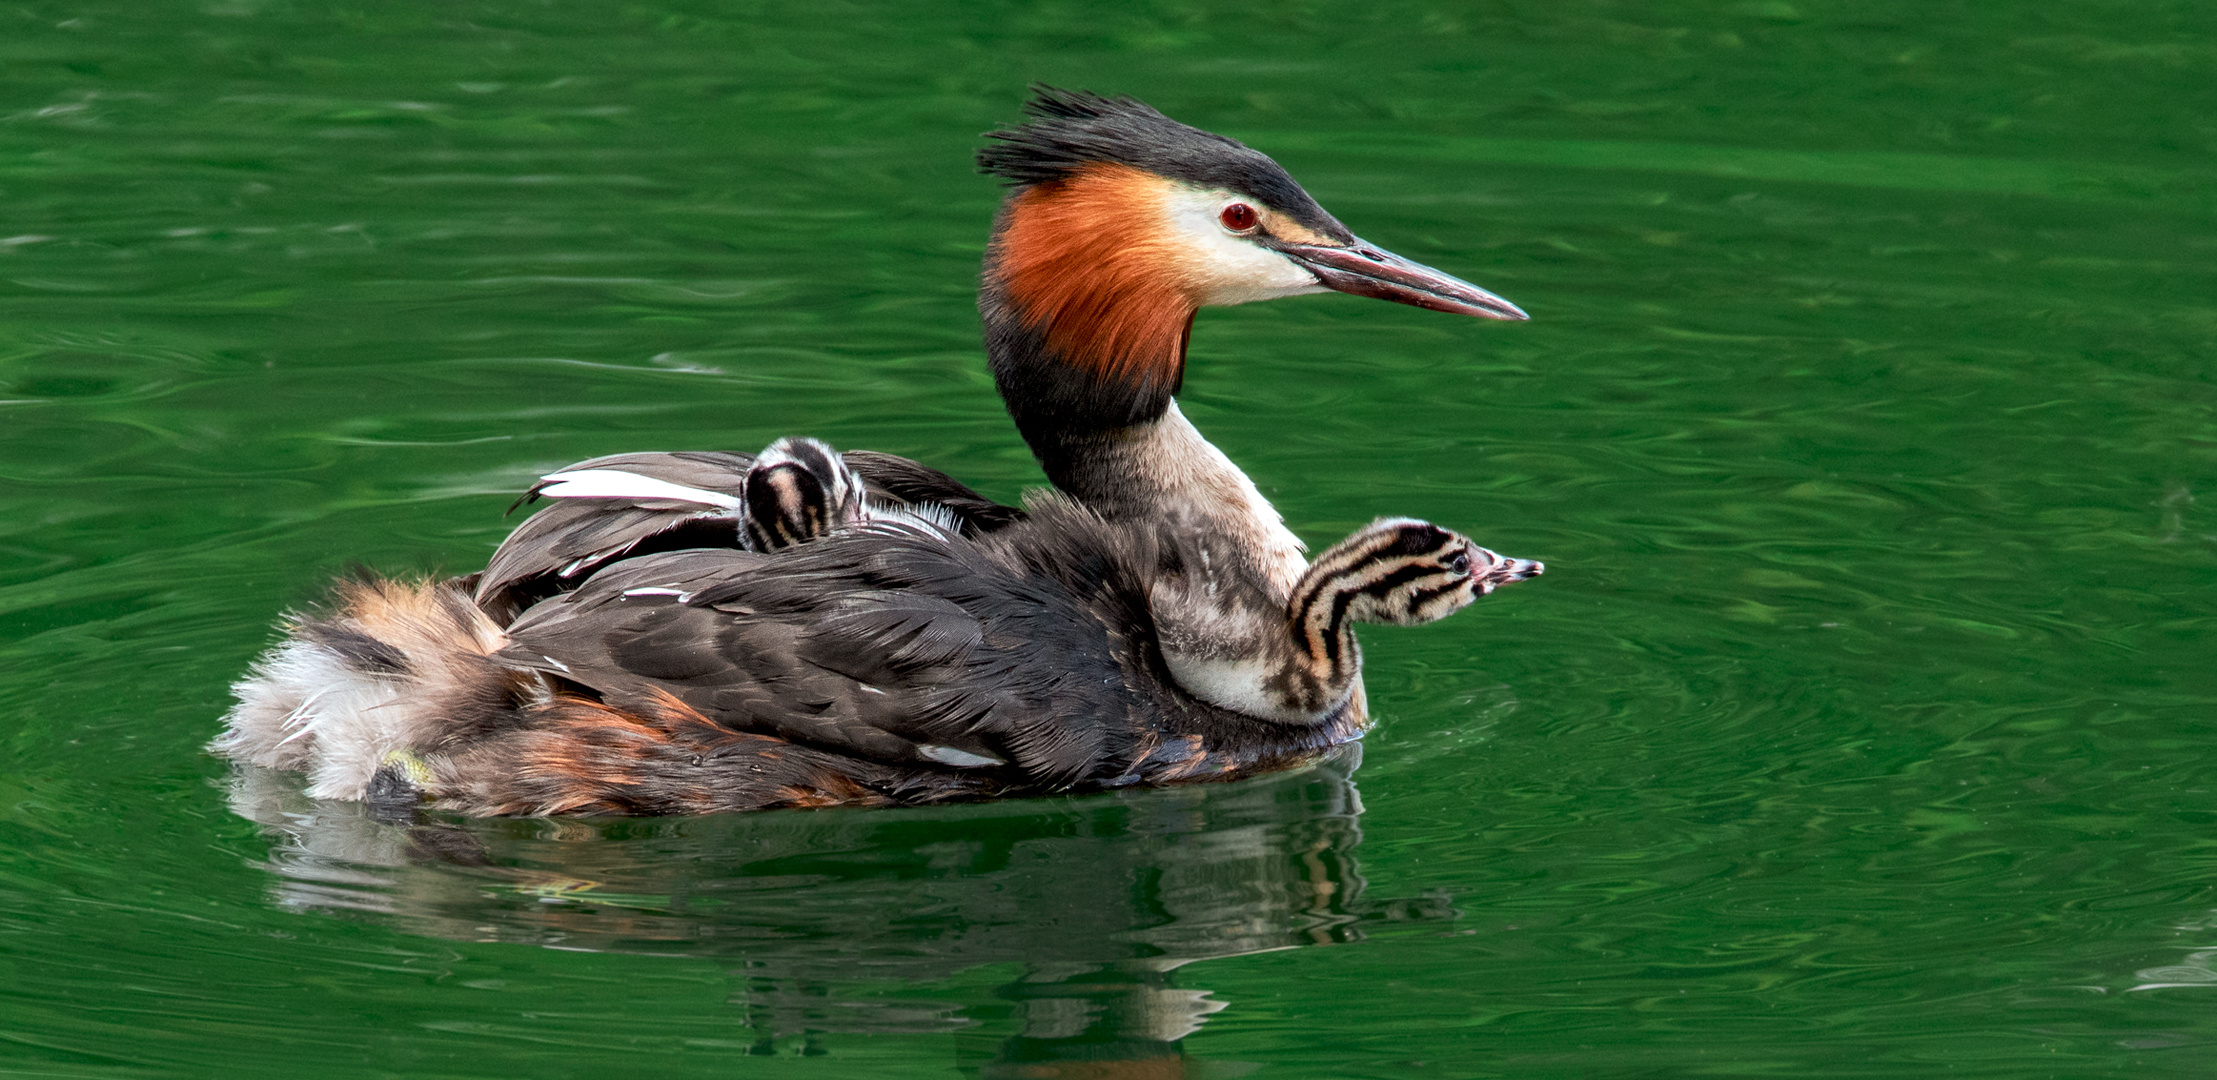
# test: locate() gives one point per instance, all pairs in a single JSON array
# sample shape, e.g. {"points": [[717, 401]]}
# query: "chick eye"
{"points": [[1239, 217], [1460, 563]]}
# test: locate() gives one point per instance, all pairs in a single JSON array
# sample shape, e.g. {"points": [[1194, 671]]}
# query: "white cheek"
{"points": [[1225, 269]]}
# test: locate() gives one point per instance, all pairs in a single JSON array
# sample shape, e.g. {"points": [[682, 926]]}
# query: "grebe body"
{"points": [[686, 632], [876, 666]]}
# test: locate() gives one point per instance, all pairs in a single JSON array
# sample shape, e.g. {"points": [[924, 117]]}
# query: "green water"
{"points": [[1861, 727]]}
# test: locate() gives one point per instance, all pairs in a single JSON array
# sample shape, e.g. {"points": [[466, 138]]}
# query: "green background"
{"points": [[1861, 726]]}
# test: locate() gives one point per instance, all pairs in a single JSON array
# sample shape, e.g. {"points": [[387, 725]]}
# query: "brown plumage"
{"points": [[576, 755], [1102, 297]]}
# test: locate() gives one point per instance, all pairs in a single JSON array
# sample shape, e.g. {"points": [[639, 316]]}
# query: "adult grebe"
{"points": [[1156, 622], [1119, 225]]}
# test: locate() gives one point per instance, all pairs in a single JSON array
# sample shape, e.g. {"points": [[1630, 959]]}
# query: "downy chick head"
{"points": [[799, 490], [1412, 572]]}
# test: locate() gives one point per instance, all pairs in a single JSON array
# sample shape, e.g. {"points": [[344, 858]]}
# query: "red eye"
{"points": [[1238, 217]]}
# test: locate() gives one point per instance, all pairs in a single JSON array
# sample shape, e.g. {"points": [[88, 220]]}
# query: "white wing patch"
{"points": [[948, 755], [927, 516], [618, 484]]}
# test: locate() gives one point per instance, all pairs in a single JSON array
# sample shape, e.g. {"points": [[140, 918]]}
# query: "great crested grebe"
{"points": [[703, 631]]}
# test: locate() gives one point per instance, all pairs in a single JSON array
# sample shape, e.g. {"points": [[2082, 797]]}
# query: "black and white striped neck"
{"points": [[1300, 664]]}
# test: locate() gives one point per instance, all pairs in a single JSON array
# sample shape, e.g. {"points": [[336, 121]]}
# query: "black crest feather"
{"points": [[1070, 129]]}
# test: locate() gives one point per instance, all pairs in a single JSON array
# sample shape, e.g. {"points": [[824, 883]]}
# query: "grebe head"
{"points": [[1407, 572], [1122, 222]]}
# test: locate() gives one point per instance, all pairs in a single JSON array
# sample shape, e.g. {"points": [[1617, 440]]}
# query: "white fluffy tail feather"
{"points": [[383, 672]]}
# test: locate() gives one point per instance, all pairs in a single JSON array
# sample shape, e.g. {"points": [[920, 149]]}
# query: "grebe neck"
{"points": [[1088, 376]]}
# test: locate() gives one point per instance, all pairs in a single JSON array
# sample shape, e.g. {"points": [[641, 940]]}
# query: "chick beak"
{"points": [[1365, 269], [1495, 570]]}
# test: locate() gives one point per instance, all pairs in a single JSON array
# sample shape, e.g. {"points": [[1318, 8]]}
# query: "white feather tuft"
{"points": [[923, 516], [308, 707], [963, 759], [618, 484]]}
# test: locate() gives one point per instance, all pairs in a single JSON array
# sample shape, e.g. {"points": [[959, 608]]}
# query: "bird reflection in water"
{"points": [[1095, 903]]}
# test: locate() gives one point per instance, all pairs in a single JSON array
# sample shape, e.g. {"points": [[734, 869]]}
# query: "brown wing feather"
{"points": [[893, 646], [561, 543], [566, 540], [912, 481]]}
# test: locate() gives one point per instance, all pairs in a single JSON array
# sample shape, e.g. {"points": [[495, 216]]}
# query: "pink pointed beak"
{"points": [[1364, 269]]}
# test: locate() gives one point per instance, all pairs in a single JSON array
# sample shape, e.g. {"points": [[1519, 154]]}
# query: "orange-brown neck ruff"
{"points": [[1083, 262]]}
